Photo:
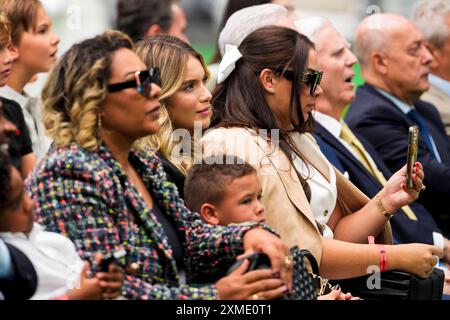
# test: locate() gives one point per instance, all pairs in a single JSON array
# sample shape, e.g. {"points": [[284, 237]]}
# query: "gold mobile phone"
{"points": [[413, 147]]}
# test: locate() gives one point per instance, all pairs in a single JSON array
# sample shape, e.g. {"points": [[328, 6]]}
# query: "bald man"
{"points": [[396, 64]]}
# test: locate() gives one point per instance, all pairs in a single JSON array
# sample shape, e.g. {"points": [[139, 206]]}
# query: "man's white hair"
{"points": [[245, 21], [311, 26], [429, 17]]}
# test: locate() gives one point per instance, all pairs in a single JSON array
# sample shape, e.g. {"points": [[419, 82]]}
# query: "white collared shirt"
{"points": [[32, 114], [334, 127], [54, 257]]}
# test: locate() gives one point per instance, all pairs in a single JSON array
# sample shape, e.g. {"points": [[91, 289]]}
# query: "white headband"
{"points": [[228, 63]]}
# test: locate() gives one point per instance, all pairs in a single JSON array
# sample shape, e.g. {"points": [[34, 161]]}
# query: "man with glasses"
{"points": [[396, 64]]}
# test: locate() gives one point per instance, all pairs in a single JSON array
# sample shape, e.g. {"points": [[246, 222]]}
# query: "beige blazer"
{"points": [[287, 209], [441, 101]]}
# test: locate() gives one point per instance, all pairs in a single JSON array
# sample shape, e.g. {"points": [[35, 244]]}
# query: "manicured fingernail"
{"points": [[17, 132], [286, 290], [276, 274], [417, 169]]}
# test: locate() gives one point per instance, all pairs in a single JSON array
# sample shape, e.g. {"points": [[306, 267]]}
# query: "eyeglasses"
{"points": [[142, 82], [311, 78]]}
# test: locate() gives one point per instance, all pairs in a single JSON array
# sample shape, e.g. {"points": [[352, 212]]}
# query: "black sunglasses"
{"points": [[311, 78], [142, 82]]}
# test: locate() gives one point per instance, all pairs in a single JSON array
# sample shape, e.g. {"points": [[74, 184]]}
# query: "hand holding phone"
{"points": [[413, 147], [106, 260]]}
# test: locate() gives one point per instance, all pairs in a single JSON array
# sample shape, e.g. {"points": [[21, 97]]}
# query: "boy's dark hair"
{"points": [[5, 180], [206, 182], [134, 17]]}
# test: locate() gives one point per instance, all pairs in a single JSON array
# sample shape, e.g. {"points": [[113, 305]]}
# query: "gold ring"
{"points": [[288, 263], [423, 187]]}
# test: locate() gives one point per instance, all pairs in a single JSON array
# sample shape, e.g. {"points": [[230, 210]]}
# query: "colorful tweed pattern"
{"points": [[87, 197]]}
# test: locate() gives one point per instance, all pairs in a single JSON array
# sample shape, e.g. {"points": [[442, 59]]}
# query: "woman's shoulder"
{"points": [[231, 135], [72, 161]]}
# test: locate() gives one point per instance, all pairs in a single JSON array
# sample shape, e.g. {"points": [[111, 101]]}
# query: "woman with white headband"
{"points": [[262, 114]]}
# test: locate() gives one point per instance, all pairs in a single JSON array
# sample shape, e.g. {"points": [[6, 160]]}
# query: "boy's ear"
{"points": [[209, 214], [14, 50]]}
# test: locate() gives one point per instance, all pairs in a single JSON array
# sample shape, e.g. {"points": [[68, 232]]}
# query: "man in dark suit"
{"points": [[353, 155], [395, 63]]}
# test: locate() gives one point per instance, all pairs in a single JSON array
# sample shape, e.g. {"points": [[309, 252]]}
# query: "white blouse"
{"points": [[54, 257], [323, 193]]}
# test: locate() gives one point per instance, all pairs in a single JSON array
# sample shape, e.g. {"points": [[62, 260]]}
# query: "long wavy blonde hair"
{"points": [[76, 88], [170, 55]]}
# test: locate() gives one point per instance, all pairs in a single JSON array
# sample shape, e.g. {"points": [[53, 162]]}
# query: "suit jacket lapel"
{"points": [[337, 145]]}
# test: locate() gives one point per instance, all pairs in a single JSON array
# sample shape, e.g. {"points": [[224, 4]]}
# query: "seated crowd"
{"points": [[141, 173]]}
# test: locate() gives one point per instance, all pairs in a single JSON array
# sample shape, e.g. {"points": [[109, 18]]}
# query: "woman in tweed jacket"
{"points": [[107, 197]]}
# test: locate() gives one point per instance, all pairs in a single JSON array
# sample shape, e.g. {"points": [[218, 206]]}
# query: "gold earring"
{"points": [[99, 121]]}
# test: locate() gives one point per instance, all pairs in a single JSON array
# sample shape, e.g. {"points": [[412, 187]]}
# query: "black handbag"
{"points": [[395, 285], [303, 285]]}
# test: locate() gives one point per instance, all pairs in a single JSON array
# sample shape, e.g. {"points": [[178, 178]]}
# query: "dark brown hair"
{"points": [[240, 100], [134, 17], [207, 182], [22, 15]]}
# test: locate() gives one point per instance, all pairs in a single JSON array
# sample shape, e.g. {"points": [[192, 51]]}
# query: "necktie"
{"points": [[424, 133], [367, 161]]}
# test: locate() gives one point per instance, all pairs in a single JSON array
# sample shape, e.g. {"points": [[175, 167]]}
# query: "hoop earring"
{"points": [[99, 121]]}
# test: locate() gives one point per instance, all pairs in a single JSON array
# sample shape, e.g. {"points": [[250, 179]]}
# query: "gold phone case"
{"points": [[413, 147]]}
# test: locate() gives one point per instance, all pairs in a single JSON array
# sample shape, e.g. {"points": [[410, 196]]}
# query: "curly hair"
{"points": [[5, 180], [170, 55], [76, 88]]}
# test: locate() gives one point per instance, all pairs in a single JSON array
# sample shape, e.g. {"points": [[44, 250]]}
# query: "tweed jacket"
{"points": [[287, 208], [87, 197]]}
